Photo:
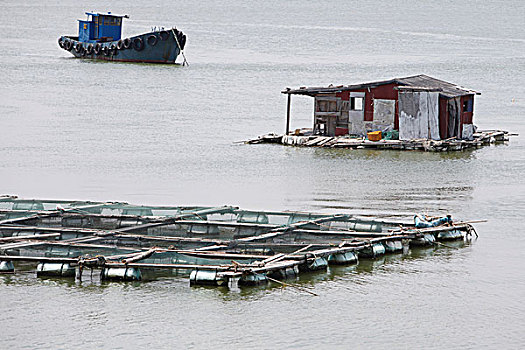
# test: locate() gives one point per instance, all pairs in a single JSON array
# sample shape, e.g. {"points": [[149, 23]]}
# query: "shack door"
{"points": [[384, 113], [356, 113], [327, 111], [454, 117]]}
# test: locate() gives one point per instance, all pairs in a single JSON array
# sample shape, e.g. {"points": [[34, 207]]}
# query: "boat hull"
{"points": [[153, 47]]}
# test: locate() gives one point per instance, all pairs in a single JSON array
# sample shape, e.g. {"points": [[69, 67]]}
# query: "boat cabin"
{"points": [[416, 107], [100, 27]]}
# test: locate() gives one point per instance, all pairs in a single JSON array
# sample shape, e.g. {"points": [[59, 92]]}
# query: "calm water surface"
{"points": [[165, 135]]}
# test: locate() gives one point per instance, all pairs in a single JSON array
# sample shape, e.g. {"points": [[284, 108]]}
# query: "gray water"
{"points": [[153, 134]]}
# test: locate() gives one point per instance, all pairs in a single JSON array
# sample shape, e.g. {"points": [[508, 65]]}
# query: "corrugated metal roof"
{"points": [[418, 82], [445, 88], [105, 14]]}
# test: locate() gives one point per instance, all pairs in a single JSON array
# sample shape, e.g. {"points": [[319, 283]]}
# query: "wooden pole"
{"points": [[288, 114], [293, 285]]}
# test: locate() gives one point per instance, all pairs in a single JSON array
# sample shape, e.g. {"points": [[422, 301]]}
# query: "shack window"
{"points": [[467, 105], [356, 103], [324, 105]]}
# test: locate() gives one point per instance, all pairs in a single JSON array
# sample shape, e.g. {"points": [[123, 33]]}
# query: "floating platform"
{"points": [[480, 139], [215, 246]]}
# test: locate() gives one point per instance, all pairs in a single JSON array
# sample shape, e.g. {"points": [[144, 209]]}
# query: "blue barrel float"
{"points": [[373, 251], [345, 258], [449, 235], [425, 240], [393, 246], [252, 279], [314, 264], [284, 273]]}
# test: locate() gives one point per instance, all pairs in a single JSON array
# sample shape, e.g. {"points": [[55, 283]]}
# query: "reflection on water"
{"points": [[392, 155]]}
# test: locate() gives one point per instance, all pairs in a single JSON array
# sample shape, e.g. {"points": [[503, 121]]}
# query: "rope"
{"points": [[185, 63], [293, 285]]}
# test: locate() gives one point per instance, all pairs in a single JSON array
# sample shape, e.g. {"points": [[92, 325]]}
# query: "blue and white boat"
{"points": [[100, 37]]}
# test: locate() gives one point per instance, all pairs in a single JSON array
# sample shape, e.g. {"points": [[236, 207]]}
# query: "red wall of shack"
{"points": [[388, 92], [465, 117], [384, 92]]}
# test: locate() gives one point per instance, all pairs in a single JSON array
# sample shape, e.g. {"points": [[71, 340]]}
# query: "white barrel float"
{"points": [[425, 240], [373, 251], [393, 246], [343, 258], [55, 270], [120, 274], [7, 267], [252, 279], [365, 226], [315, 264], [207, 278], [450, 235], [257, 251]]}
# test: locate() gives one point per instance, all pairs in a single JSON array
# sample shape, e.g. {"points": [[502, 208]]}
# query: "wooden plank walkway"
{"points": [[480, 139]]}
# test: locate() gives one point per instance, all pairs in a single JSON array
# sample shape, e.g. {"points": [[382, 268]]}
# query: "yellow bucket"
{"points": [[374, 135]]}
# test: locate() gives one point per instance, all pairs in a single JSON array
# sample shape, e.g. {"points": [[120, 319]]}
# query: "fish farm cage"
{"points": [[214, 246]]}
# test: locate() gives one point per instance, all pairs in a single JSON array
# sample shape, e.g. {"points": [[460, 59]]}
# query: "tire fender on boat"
{"points": [[120, 44], [105, 50], [152, 40], [138, 44], [78, 48], [61, 42], [97, 49], [127, 43], [113, 49], [89, 49], [69, 45], [164, 35]]}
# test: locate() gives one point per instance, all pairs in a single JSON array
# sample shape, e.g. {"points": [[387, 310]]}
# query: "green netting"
{"points": [[252, 217]]}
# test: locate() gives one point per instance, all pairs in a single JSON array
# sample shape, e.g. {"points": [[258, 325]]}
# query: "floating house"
{"points": [[417, 107]]}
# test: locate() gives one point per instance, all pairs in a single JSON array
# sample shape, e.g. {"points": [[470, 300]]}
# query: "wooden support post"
{"points": [[288, 114]]}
